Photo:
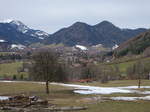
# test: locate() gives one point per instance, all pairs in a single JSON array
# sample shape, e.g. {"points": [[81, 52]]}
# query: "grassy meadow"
{"points": [[124, 63], [11, 69], [64, 96]]}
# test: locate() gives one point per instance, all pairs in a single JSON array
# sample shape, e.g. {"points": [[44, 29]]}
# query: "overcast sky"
{"points": [[51, 15]]}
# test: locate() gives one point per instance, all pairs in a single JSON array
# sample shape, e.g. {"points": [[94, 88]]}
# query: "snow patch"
{"points": [[98, 45], [134, 87], [80, 89], [25, 31], [81, 47], [2, 41], [41, 38], [130, 98], [19, 46], [115, 47], [41, 33], [4, 98]]}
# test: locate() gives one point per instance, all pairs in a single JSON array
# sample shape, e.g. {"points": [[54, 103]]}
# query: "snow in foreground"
{"points": [[130, 98], [81, 89], [4, 97]]}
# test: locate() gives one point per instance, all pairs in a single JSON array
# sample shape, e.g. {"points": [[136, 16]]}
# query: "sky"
{"points": [[52, 15]]}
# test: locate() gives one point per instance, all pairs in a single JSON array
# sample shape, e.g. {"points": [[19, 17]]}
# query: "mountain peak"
{"points": [[6, 21], [18, 25], [16, 22], [80, 24], [105, 23], [11, 21]]}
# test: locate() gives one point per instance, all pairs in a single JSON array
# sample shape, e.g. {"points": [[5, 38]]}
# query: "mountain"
{"points": [[134, 45], [16, 32], [104, 33]]}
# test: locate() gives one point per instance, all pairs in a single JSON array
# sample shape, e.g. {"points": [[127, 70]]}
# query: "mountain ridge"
{"points": [[82, 33], [79, 33]]}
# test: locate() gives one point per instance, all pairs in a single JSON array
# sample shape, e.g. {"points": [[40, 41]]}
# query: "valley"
{"points": [[82, 67]]}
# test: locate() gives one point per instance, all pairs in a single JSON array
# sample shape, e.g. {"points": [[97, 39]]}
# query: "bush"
{"points": [[14, 77], [21, 77]]}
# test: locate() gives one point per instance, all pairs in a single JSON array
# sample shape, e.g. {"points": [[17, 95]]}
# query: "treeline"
{"points": [[139, 70], [49, 63], [47, 66], [14, 56], [101, 73], [10, 57]]}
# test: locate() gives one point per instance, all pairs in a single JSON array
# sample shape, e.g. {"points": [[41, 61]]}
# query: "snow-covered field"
{"points": [[81, 89], [130, 98]]}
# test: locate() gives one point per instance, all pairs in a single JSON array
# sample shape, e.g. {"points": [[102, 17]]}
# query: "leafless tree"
{"points": [[137, 71], [46, 67]]}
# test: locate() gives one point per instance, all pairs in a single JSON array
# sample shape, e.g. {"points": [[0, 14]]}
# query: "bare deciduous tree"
{"points": [[46, 67], [137, 71]]}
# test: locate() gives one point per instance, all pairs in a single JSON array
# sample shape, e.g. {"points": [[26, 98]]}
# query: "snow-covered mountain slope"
{"points": [[16, 32], [19, 26]]}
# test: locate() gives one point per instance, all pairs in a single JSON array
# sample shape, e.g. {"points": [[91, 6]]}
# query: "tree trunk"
{"points": [[47, 87], [139, 84]]}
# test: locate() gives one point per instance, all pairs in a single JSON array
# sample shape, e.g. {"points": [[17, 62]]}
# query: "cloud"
{"points": [[51, 15]]}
